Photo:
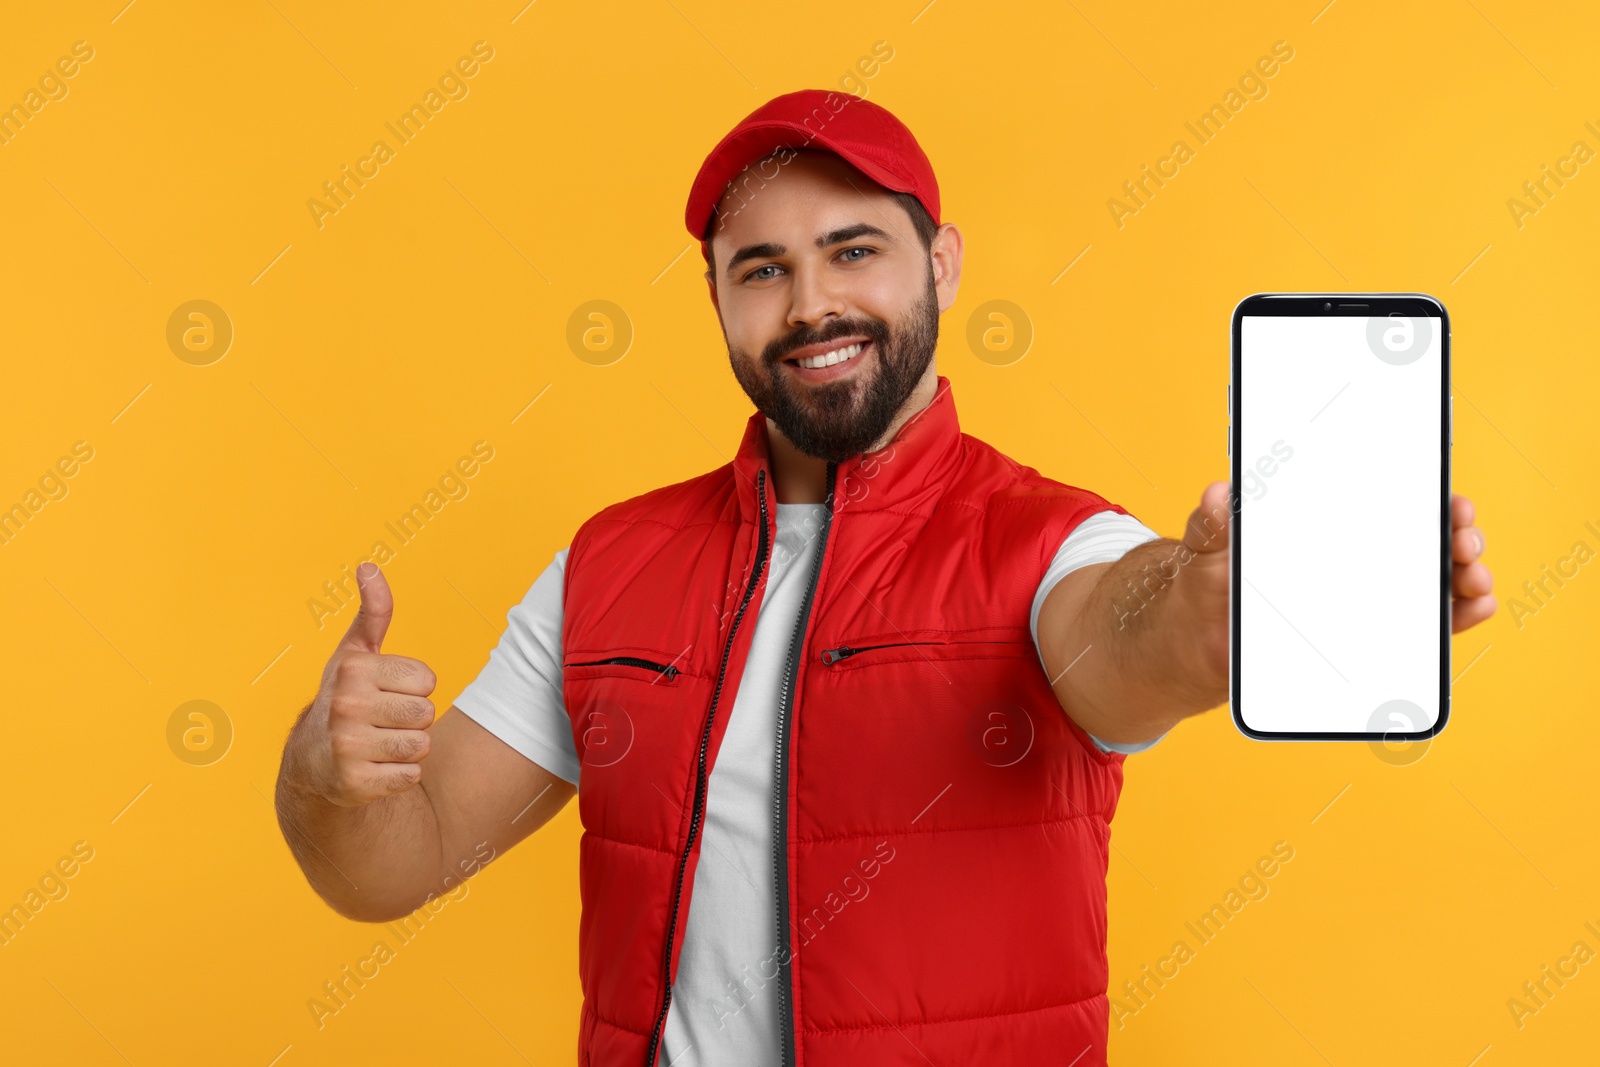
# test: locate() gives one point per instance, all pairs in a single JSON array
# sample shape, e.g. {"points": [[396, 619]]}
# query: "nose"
{"points": [[815, 297]]}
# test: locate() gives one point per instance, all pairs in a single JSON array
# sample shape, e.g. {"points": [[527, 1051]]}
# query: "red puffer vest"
{"points": [[941, 890]]}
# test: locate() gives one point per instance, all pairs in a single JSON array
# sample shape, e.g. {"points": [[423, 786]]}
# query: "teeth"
{"points": [[828, 359]]}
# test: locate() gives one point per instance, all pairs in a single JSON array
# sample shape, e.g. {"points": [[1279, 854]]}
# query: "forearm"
{"points": [[1148, 631], [370, 862]]}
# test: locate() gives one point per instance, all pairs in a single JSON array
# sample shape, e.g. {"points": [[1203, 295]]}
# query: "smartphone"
{"points": [[1339, 438]]}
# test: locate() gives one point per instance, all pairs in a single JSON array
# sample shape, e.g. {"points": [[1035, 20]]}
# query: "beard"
{"points": [[836, 420]]}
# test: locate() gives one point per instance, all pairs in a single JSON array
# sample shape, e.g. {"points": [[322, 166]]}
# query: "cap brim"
{"points": [[754, 143]]}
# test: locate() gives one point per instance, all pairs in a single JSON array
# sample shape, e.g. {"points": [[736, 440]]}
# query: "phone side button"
{"points": [[1230, 439], [1452, 422]]}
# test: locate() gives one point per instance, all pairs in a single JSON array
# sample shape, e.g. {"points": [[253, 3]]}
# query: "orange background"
{"points": [[431, 310]]}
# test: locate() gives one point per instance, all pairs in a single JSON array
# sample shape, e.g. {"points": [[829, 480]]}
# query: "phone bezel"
{"points": [[1360, 305]]}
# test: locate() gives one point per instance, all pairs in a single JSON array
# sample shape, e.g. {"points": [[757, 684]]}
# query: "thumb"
{"points": [[377, 608], [1207, 528]]}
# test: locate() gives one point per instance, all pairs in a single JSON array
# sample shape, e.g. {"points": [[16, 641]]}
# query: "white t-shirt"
{"points": [[722, 1010]]}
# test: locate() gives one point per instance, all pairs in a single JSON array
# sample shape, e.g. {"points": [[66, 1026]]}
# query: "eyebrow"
{"points": [[833, 237]]}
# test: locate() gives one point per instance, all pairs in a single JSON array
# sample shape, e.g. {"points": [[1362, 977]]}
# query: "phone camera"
{"points": [[1327, 307]]}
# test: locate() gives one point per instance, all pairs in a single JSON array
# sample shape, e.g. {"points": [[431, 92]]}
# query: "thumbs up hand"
{"points": [[370, 719], [371, 623]]}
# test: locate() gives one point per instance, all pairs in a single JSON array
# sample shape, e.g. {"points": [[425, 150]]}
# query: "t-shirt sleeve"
{"points": [[517, 694], [1103, 537]]}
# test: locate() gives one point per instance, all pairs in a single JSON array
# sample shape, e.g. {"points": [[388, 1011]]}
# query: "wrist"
{"points": [[300, 774]]}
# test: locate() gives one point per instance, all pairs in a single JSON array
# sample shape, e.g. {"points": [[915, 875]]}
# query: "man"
{"points": [[845, 716]]}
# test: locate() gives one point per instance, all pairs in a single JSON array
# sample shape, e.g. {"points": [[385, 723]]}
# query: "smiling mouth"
{"points": [[829, 359]]}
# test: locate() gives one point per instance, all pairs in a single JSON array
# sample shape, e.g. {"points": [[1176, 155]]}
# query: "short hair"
{"points": [[921, 221]]}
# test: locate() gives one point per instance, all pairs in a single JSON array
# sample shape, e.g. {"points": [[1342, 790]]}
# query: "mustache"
{"points": [[871, 328]]}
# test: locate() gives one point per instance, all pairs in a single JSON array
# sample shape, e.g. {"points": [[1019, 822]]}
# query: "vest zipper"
{"points": [[780, 837], [700, 784], [629, 661]]}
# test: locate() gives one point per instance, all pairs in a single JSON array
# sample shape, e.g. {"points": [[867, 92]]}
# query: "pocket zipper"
{"points": [[665, 669], [831, 656]]}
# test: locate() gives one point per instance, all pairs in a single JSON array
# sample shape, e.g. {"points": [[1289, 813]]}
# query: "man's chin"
{"points": [[828, 402], [828, 438]]}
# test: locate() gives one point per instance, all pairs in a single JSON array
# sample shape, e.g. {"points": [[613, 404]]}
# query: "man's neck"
{"points": [[803, 479]]}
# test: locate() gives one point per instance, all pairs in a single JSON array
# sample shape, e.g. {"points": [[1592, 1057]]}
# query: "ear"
{"points": [[946, 254], [711, 283]]}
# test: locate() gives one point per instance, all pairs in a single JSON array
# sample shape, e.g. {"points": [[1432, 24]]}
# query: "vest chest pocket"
{"points": [[618, 701], [941, 706]]}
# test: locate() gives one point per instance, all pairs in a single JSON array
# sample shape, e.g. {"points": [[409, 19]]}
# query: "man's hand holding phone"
{"points": [[1203, 591], [1470, 581]]}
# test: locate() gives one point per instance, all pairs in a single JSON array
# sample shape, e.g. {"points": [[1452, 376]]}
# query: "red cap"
{"points": [[865, 135]]}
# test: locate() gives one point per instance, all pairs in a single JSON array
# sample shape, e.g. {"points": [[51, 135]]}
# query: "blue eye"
{"points": [[858, 248], [754, 274]]}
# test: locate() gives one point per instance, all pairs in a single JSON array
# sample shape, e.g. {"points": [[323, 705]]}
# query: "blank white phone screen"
{"points": [[1339, 523]]}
